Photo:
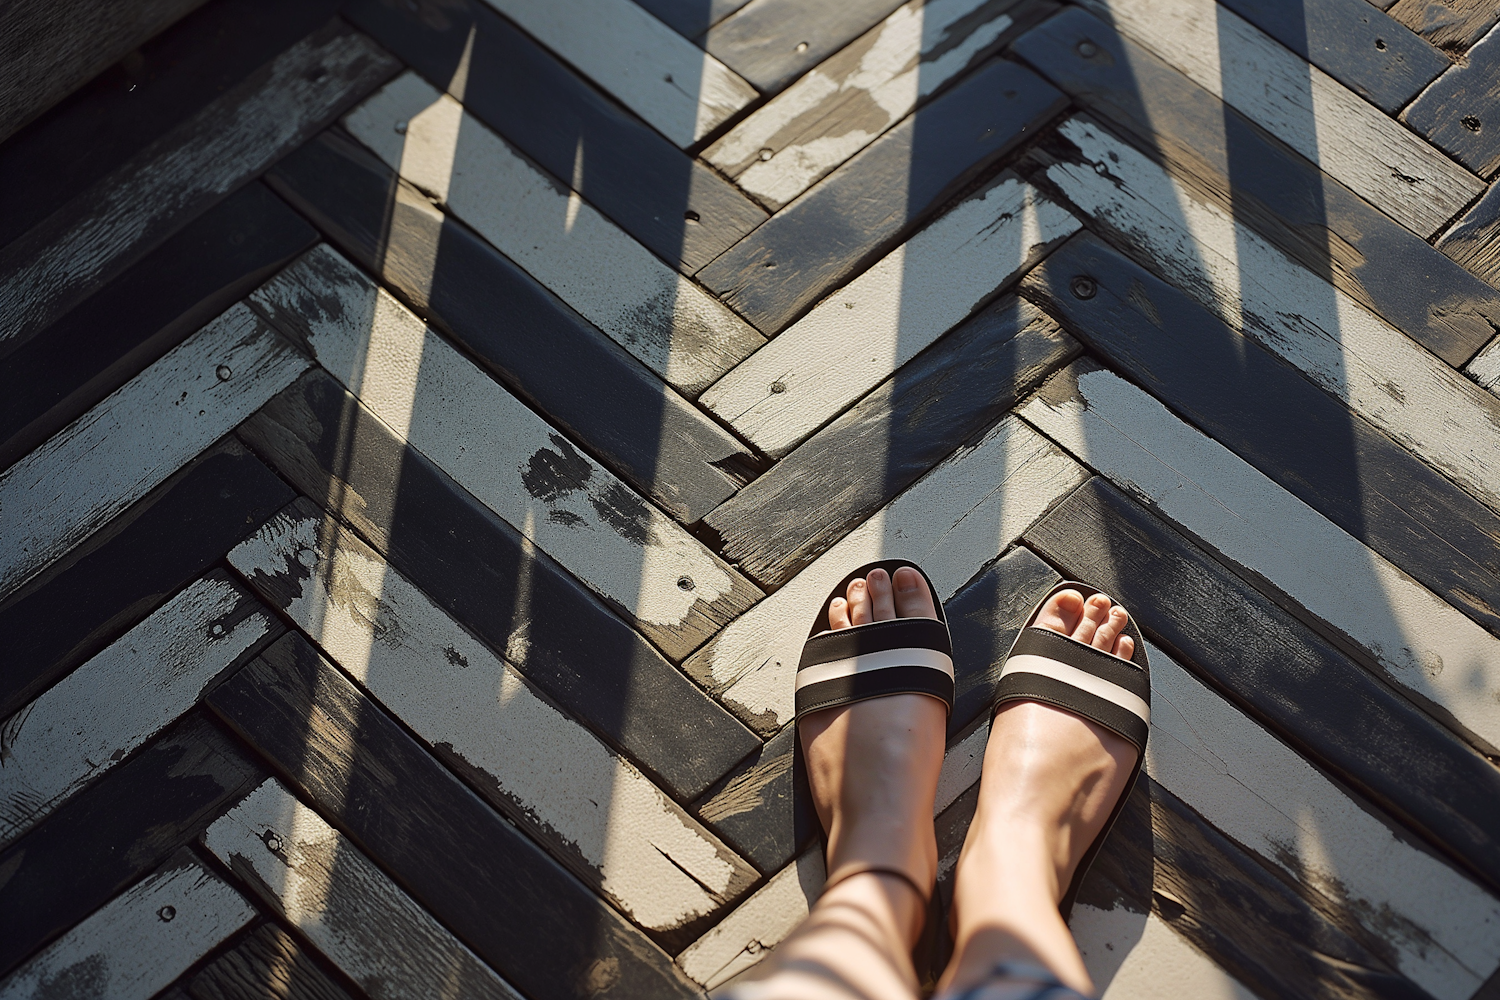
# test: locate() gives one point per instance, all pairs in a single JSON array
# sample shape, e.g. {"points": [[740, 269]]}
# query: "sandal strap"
{"points": [[1049, 667], [898, 656], [844, 874]]}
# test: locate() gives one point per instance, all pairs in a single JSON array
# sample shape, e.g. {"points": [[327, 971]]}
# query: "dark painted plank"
{"points": [[692, 17], [676, 206], [762, 808], [632, 421], [124, 327], [116, 831], [1331, 710], [1474, 240], [966, 381], [1367, 51], [1304, 212], [267, 962], [1460, 113], [132, 104], [507, 592], [1273, 418], [476, 873], [822, 238], [770, 42], [1451, 25], [126, 570]]}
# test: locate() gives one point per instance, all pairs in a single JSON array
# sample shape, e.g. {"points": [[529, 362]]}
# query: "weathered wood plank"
{"points": [[96, 235], [88, 722], [849, 100], [1456, 113], [757, 925], [639, 427], [127, 569], [496, 584], [639, 61], [790, 515], [669, 323], [321, 884], [589, 806], [1451, 25], [770, 42], [1357, 599], [677, 207], [1356, 357], [267, 962], [1304, 107], [819, 242], [108, 338], [953, 521], [691, 18], [785, 391], [456, 857], [1485, 368], [665, 581], [1474, 240], [128, 444], [137, 943], [1285, 675], [1137, 956], [1306, 441], [1305, 213]]}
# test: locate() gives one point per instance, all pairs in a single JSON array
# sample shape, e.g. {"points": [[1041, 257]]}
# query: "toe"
{"points": [[1062, 612], [1124, 647], [913, 599], [1095, 613], [838, 613], [859, 603], [882, 597], [1109, 630]]}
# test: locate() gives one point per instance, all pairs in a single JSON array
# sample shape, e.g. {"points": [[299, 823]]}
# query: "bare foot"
{"points": [[1050, 782]]}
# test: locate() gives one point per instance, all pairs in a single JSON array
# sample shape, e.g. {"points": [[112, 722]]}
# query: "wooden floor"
{"points": [[428, 426]]}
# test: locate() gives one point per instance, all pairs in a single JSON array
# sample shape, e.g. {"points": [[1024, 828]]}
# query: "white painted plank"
{"points": [[146, 430], [500, 450], [757, 925], [1485, 367], [1351, 140], [854, 339], [1136, 956], [1375, 369], [91, 719], [350, 910], [597, 813], [679, 89], [952, 522], [845, 103], [671, 324], [135, 945]]}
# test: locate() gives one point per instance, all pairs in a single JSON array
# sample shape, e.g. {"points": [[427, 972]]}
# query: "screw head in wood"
{"points": [[1087, 49], [778, 388], [801, 47], [685, 583], [1380, 44], [1471, 123], [271, 840], [1083, 287], [166, 913], [400, 128], [691, 217], [766, 154], [223, 372]]}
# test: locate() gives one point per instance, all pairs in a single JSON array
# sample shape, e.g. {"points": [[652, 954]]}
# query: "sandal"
{"points": [[1055, 669]]}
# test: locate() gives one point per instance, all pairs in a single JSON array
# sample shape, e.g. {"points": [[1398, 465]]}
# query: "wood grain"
{"points": [[1485, 368], [1474, 240], [769, 42], [267, 962], [824, 238], [691, 18], [1457, 113], [677, 207], [665, 320], [1137, 956], [784, 392], [757, 925], [1451, 25], [642, 429], [455, 856], [1304, 107]]}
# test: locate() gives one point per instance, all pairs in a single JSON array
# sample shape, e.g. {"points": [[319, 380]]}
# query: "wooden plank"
{"points": [[822, 240], [496, 584], [666, 321], [1453, 113], [849, 100], [691, 18], [770, 42], [643, 430], [1305, 213], [108, 338], [1283, 673], [456, 857], [1485, 368], [84, 725], [1304, 107], [1137, 956], [128, 444], [640, 62], [49, 50], [185, 172], [137, 943], [1354, 597], [677, 207], [351, 911], [785, 391], [1366, 50], [789, 516], [952, 522], [1318, 451], [1474, 240], [267, 962], [1357, 358], [126, 570], [597, 814], [757, 925], [117, 831], [665, 581], [1451, 25]]}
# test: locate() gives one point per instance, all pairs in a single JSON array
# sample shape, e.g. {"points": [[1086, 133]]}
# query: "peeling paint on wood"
{"points": [[1458, 113], [1137, 956], [1474, 240], [770, 42], [1451, 25], [757, 925]]}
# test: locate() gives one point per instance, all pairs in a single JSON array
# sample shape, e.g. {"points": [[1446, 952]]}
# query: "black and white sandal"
{"points": [[1049, 667]]}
